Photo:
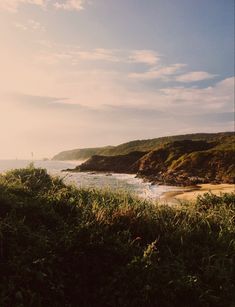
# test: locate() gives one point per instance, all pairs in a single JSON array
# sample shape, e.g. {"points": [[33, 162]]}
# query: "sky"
{"points": [[87, 73]]}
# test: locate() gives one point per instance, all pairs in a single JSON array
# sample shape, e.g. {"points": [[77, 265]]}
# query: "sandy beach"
{"points": [[191, 193]]}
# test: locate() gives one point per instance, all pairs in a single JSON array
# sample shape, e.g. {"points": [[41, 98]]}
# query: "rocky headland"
{"points": [[181, 163]]}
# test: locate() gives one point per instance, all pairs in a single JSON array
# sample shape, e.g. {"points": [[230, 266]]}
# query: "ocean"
{"points": [[126, 182]]}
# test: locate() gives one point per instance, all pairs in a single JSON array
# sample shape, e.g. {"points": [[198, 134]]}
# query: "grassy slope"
{"points": [[138, 145], [62, 246]]}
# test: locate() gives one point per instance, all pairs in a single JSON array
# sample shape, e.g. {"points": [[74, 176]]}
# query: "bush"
{"points": [[62, 246], [209, 201]]}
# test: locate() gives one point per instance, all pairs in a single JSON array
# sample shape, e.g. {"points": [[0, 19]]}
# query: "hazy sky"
{"points": [[82, 73]]}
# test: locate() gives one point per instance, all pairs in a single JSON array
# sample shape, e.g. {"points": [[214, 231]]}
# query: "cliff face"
{"points": [[190, 168], [116, 164], [178, 163]]}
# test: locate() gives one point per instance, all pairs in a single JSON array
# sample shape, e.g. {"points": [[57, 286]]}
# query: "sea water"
{"points": [[126, 182]]}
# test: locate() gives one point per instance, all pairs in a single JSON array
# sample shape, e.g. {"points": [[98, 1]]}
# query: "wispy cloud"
{"points": [[70, 5], [75, 55], [219, 97], [162, 73], [13, 5], [195, 76], [97, 55], [148, 57], [30, 25], [34, 100]]}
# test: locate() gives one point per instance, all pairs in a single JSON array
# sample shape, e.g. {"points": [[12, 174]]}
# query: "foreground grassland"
{"points": [[62, 246]]}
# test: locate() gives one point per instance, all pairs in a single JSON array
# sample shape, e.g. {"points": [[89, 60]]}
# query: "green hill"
{"points": [[182, 162], [137, 145]]}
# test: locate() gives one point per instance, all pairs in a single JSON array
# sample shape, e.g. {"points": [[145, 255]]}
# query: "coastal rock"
{"points": [[115, 164]]}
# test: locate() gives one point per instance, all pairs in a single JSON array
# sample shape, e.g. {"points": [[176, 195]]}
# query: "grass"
{"points": [[63, 246]]}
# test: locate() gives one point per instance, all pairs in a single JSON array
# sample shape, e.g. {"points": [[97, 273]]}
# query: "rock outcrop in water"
{"points": [[183, 163]]}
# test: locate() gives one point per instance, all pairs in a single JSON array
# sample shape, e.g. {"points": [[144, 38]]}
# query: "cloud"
{"points": [[97, 55], [13, 5], [148, 57], [70, 5], [75, 55], [30, 25], [162, 73], [34, 100], [219, 97], [53, 122], [195, 76], [21, 26]]}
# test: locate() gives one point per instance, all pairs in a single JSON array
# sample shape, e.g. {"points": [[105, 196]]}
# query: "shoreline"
{"points": [[178, 192], [191, 193], [174, 195]]}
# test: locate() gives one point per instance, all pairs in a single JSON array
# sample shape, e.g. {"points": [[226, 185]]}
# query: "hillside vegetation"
{"points": [[138, 145], [184, 162], [63, 246]]}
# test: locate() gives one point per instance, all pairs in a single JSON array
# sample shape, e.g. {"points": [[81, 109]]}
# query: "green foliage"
{"points": [[209, 200], [63, 246]]}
